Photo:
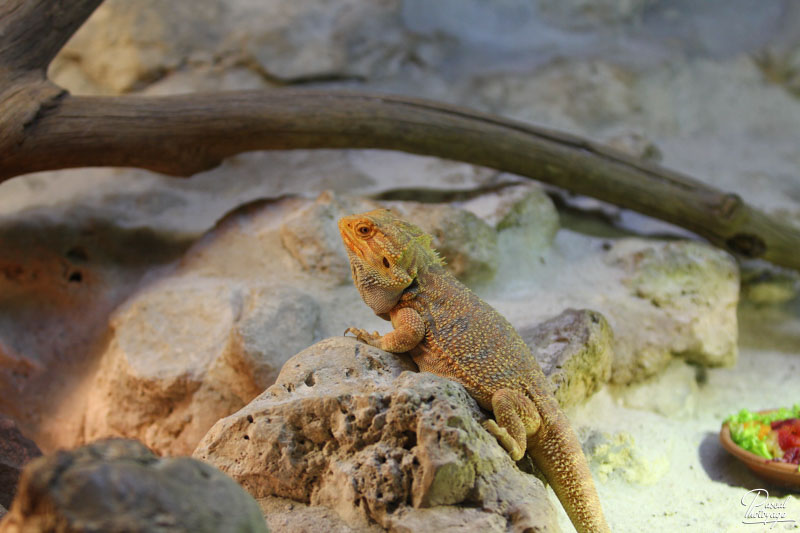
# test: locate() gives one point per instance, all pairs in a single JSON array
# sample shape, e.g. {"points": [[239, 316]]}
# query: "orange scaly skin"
{"points": [[451, 332]]}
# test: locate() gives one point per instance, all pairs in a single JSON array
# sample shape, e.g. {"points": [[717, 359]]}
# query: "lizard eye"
{"points": [[386, 262], [363, 230]]}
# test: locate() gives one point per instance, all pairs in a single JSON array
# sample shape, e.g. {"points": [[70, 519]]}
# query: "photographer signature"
{"points": [[759, 510]]}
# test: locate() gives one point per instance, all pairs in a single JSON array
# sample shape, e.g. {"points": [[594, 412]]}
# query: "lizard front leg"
{"points": [[517, 419], [409, 329]]}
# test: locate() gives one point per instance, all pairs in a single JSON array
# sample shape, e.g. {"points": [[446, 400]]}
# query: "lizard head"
{"points": [[385, 254]]}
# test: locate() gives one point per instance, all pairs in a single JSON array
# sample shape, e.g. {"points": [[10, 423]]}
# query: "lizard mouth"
{"points": [[349, 242]]}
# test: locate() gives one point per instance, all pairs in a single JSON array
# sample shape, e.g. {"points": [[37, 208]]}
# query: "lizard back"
{"points": [[467, 340]]}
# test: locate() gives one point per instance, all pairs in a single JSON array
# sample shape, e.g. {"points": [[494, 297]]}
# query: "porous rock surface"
{"points": [[15, 452], [681, 300], [355, 430], [120, 485]]}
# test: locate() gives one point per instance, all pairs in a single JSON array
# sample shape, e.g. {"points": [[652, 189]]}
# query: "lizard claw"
{"points": [[362, 335], [355, 331]]}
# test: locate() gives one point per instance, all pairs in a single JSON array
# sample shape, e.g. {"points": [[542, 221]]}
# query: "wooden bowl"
{"points": [[782, 474]]}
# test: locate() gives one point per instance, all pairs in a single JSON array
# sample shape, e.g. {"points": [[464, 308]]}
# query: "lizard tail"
{"points": [[557, 453]]}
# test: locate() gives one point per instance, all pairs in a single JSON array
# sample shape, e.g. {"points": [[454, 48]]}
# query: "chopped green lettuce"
{"points": [[746, 429]]}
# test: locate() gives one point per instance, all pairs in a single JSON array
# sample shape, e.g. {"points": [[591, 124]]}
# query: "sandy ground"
{"points": [[664, 469]]}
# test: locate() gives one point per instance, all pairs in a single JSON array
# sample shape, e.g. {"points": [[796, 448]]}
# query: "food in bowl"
{"points": [[773, 435]]}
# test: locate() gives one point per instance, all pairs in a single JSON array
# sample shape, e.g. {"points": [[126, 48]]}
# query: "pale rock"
{"points": [[188, 351], [458, 519], [526, 221], [691, 315], [750, 152], [120, 485], [63, 270], [204, 79], [307, 39], [351, 428], [126, 44], [475, 24], [392, 169], [274, 323], [517, 26], [466, 243], [68, 72], [575, 96], [673, 393], [731, 122], [780, 59], [129, 44], [681, 301], [635, 144], [523, 209], [586, 14], [311, 234], [767, 286], [575, 350], [791, 68], [291, 516]]}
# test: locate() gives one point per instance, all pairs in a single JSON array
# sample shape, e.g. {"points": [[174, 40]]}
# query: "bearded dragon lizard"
{"points": [[451, 332]]}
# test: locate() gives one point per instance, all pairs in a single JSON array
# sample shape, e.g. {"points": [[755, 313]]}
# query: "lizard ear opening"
{"points": [[386, 262]]}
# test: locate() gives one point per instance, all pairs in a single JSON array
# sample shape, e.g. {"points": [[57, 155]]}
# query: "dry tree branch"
{"points": [[182, 135], [35, 30]]}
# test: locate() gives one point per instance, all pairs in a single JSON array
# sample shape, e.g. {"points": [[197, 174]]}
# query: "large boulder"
{"points": [[680, 300], [467, 243], [466, 233], [189, 351], [353, 429], [575, 350], [119, 485], [63, 269], [311, 234], [128, 44]]}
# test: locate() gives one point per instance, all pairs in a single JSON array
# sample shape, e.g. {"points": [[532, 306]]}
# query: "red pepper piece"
{"points": [[779, 424], [788, 433]]}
